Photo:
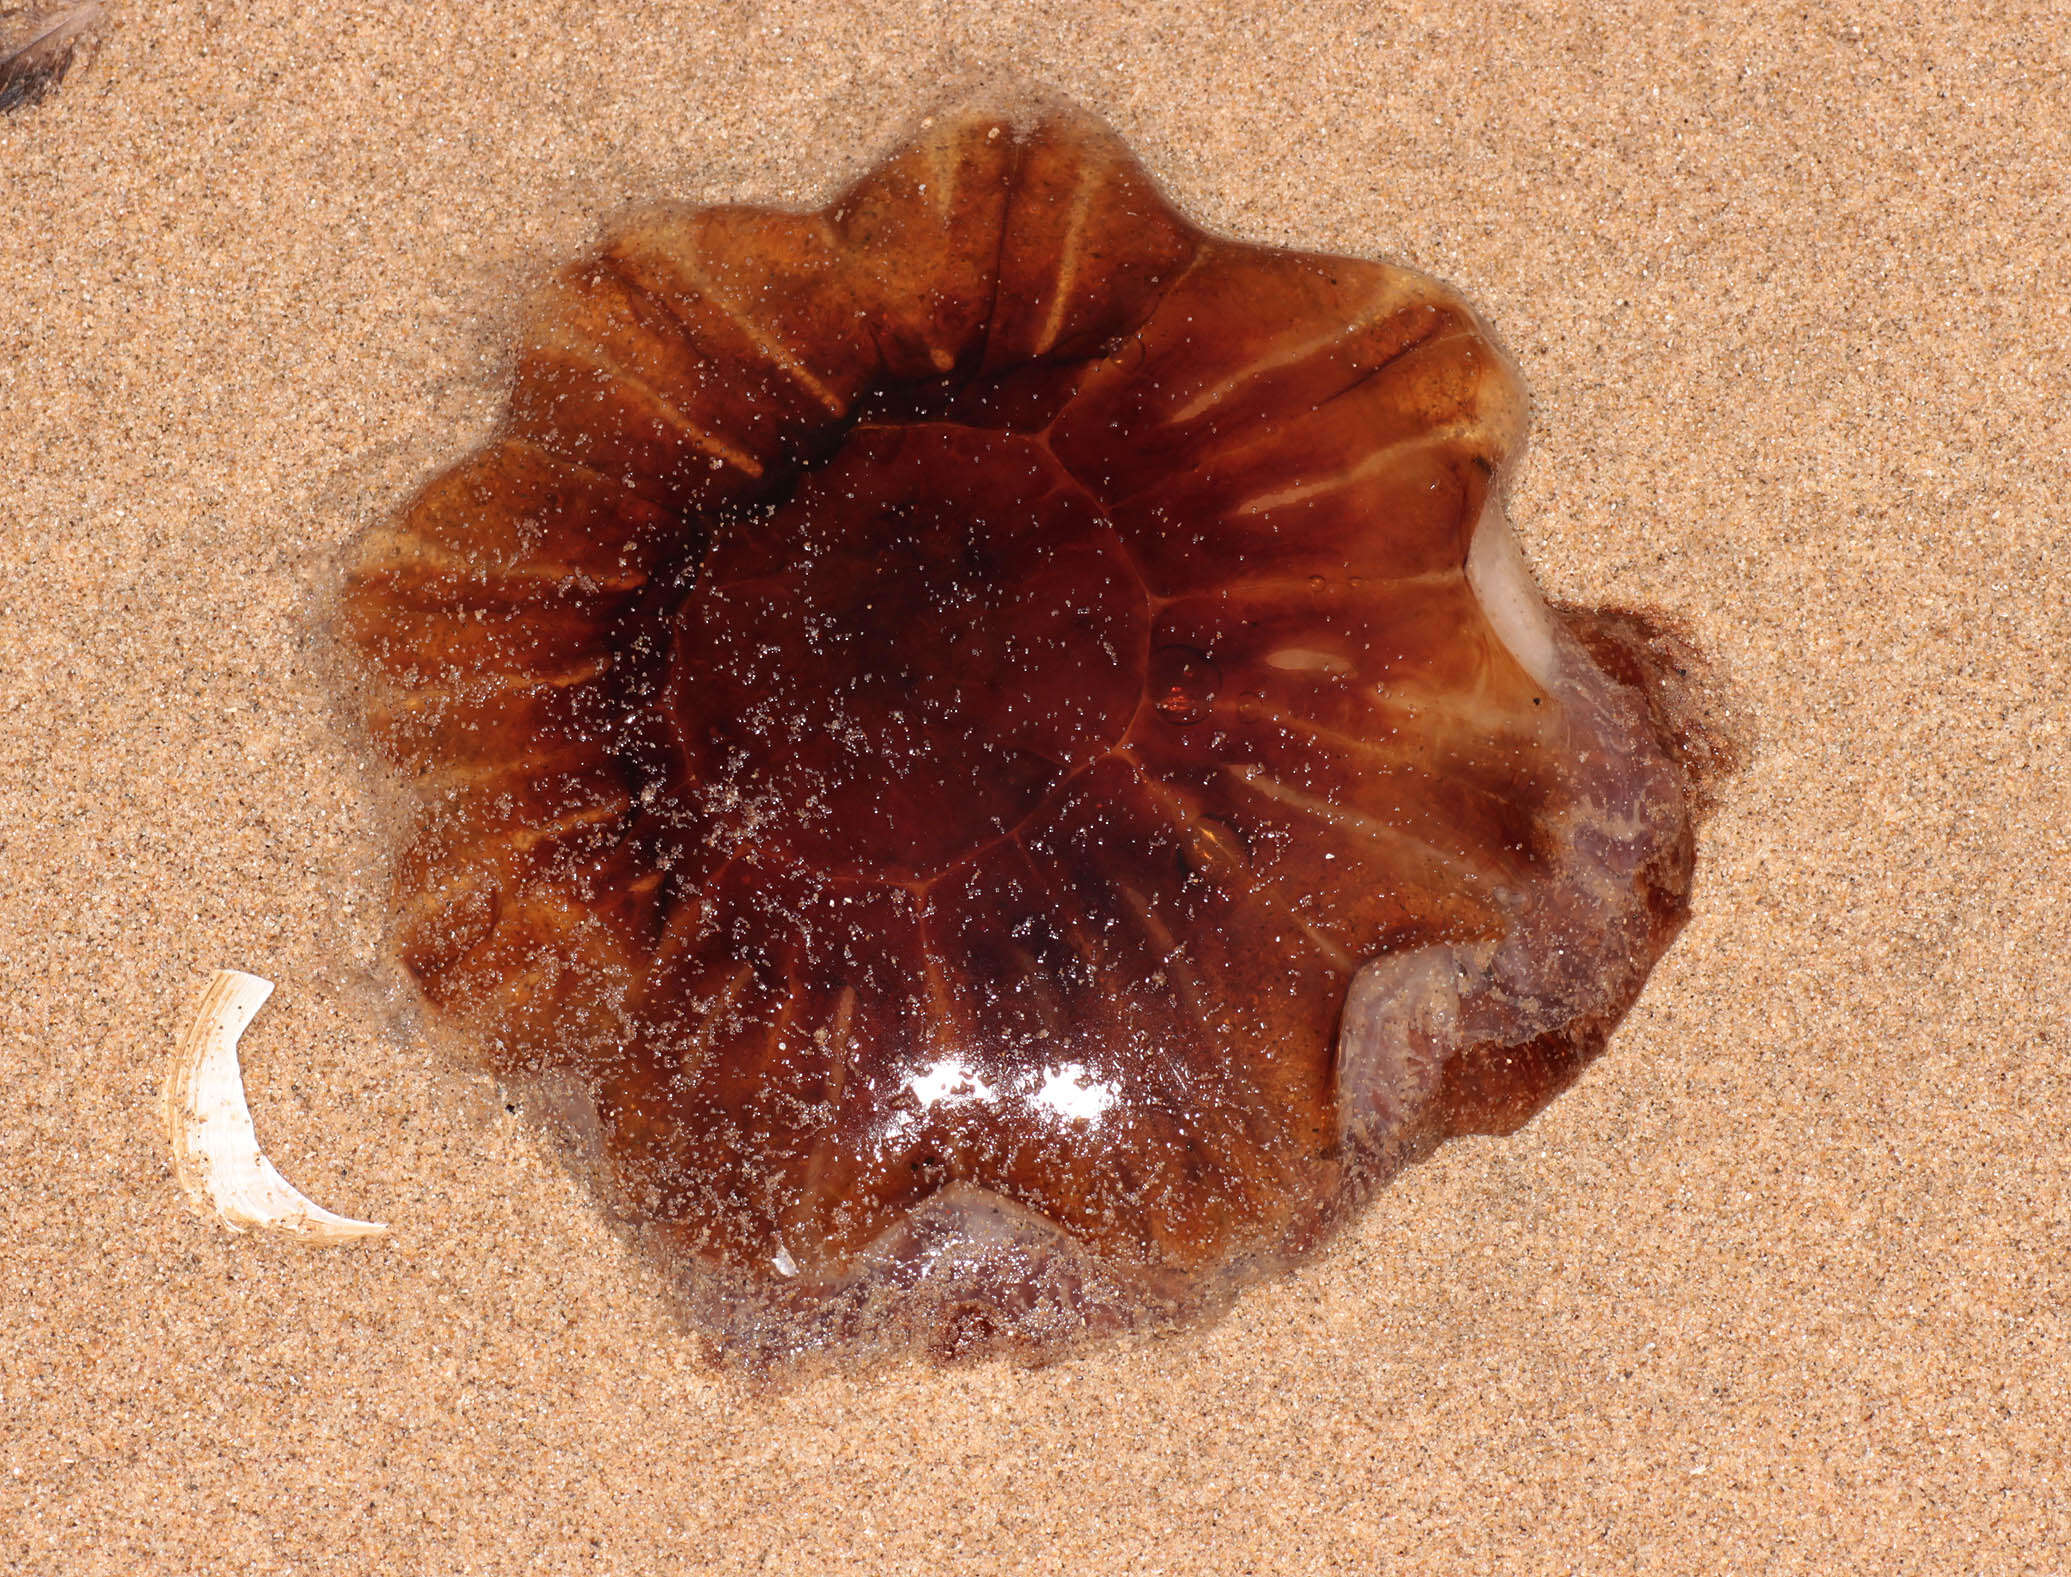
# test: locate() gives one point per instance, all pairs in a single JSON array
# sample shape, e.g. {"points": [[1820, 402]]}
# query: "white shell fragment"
{"points": [[216, 1152]]}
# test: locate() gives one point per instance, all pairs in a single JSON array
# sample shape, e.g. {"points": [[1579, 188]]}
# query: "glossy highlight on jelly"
{"points": [[990, 756]]}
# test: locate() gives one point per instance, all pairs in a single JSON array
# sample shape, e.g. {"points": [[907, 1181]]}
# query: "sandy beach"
{"points": [[1784, 1284]]}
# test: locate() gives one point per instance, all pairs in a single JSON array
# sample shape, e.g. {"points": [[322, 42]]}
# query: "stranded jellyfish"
{"points": [[989, 757]]}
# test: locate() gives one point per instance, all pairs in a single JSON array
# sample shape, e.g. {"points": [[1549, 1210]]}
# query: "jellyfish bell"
{"points": [[995, 755]]}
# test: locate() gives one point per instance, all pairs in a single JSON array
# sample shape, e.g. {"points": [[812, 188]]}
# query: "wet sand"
{"points": [[1781, 1285]]}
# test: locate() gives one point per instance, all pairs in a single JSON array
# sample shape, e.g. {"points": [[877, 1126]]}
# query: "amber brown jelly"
{"points": [[990, 757]]}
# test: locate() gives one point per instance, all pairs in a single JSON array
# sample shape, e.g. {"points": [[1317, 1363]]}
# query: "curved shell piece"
{"points": [[216, 1153], [991, 755]]}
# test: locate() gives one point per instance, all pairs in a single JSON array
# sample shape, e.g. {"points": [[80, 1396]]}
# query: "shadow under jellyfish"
{"points": [[992, 757]]}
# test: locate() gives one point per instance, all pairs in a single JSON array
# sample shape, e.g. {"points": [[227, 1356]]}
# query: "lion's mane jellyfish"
{"points": [[991, 756]]}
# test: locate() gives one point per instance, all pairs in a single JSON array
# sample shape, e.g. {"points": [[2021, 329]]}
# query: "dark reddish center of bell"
{"points": [[894, 667]]}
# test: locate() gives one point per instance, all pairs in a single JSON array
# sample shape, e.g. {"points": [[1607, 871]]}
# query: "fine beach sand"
{"points": [[1781, 1286]]}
